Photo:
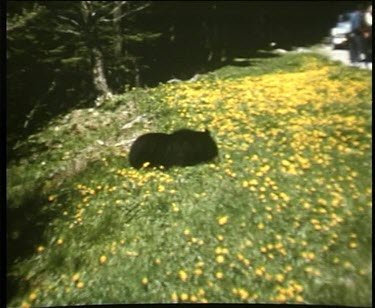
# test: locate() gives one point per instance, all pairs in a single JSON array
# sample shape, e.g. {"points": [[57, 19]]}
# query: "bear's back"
{"points": [[148, 148]]}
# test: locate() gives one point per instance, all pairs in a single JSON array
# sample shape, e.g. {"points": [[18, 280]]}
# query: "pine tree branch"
{"points": [[138, 9]]}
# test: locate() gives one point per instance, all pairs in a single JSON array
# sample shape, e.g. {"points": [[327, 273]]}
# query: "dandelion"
{"points": [[174, 297], [32, 296], [184, 297], [200, 292], [259, 272], [243, 294], [75, 277], [281, 298], [260, 226], [246, 262], [353, 245], [40, 249], [279, 278], [299, 299], [220, 238], [263, 249], [102, 259], [80, 285], [187, 232], [220, 259], [144, 280], [240, 257], [52, 198], [193, 299], [198, 272], [146, 164], [183, 275], [298, 288], [223, 220], [25, 305], [219, 275]]}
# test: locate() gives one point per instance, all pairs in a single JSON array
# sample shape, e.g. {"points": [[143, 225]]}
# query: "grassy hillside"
{"points": [[284, 215]]}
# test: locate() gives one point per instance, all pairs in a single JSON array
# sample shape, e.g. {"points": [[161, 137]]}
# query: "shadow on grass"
{"points": [[26, 222]]}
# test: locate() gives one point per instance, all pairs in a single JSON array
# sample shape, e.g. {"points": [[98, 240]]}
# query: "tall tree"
{"points": [[78, 49]]}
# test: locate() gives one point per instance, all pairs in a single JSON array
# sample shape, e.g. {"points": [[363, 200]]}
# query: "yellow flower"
{"points": [[259, 272], [243, 294], [40, 249], [32, 296], [145, 280], [102, 259], [223, 220], [299, 299], [220, 259], [146, 164], [198, 272], [240, 257], [246, 262], [280, 298], [75, 277], [52, 198], [298, 288], [80, 285], [193, 298], [187, 232], [184, 296], [201, 292], [219, 275], [260, 226], [174, 297], [182, 274], [25, 305], [220, 238], [279, 278]]}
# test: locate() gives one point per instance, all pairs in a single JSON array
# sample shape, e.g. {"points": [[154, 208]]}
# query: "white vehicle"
{"points": [[340, 34]]}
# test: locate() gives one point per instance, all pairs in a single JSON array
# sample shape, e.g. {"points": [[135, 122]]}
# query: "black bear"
{"points": [[183, 147]]}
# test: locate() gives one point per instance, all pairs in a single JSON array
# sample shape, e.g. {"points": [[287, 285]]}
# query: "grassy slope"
{"points": [[285, 216]]}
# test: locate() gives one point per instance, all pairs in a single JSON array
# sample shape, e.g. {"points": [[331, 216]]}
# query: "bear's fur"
{"points": [[183, 147]]}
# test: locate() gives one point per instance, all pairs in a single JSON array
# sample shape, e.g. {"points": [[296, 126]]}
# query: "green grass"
{"points": [[284, 215]]}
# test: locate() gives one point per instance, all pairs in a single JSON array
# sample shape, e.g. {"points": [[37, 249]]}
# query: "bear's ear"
{"points": [[207, 131]]}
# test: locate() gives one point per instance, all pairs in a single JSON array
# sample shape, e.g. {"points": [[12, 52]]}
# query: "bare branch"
{"points": [[70, 32], [121, 3], [138, 9], [72, 21]]}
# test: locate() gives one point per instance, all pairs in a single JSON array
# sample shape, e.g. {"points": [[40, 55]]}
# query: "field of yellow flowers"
{"points": [[283, 216]]}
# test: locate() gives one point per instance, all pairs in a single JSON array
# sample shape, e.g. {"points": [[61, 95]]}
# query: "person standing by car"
{"points": [[356, 38], [367, 34]]}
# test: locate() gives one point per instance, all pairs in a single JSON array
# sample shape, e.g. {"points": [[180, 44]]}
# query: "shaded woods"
{"points": [[64, 55]]}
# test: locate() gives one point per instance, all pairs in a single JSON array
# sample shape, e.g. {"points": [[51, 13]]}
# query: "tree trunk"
{"points": [[117, 12], [99, 79]]}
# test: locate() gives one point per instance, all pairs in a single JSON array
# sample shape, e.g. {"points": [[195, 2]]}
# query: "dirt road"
{"points": [[341, 55]]}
